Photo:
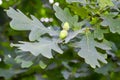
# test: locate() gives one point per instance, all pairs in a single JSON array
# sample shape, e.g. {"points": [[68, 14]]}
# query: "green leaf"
{"points": [[43, 47], [114, 24], [80, 1], [26, 64], [105, 69], [104, 3], [42, 65], [18, 59], [19, 20], [74, 34], [22, 22], [4, 73], [8, 73], [81, 11], [65, 15], [88, 50], [104, 45], [99, 32]]}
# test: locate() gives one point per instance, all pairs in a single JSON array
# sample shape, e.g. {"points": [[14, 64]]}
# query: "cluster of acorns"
{"points": [[64, 32]]}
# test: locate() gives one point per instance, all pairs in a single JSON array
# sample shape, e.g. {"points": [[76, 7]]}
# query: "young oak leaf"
{"points": [[43, 47], [22, 22], [88, 50], [114, 24]]}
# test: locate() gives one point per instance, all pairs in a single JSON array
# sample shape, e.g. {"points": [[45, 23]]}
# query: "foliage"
{"points": [[88, 49]]}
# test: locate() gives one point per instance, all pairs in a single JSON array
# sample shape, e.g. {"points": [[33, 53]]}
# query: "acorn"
{"points": [[63, 34], [66, 26]]}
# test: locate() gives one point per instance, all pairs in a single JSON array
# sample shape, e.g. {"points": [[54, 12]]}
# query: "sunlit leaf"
{"points": [[43, 47], [65, 15], [22, 22], [88, 50]]}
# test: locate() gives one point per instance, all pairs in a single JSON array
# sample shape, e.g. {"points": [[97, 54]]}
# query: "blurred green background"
{"points": [[42, 9]]}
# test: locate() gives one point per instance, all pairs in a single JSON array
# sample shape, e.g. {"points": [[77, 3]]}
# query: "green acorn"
{"points": [[66, 26], [63, 34]]}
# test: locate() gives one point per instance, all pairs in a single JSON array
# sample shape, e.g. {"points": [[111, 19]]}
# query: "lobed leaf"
{"points": [[114, 24], [88, 50], [65, 15], [43, 47], [22, 22]]}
